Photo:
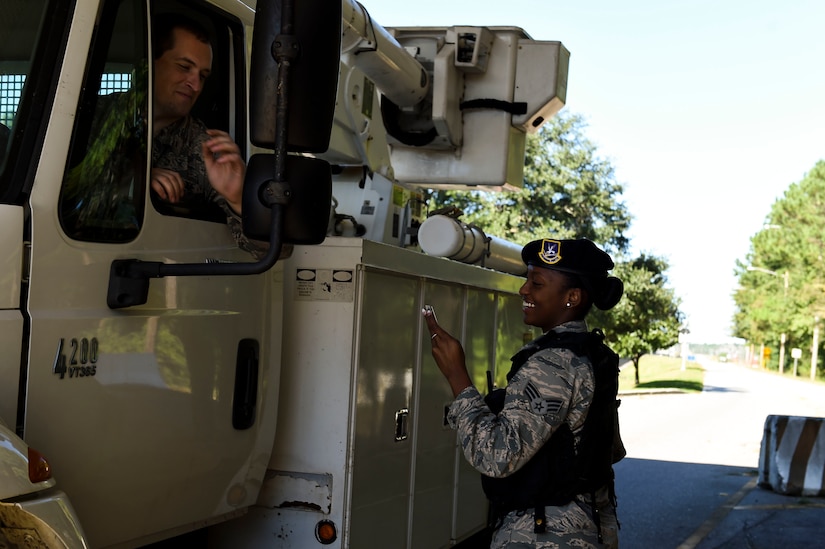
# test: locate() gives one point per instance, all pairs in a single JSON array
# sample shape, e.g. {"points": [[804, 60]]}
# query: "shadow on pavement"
{"points": [[661, 504], [688, 505]]}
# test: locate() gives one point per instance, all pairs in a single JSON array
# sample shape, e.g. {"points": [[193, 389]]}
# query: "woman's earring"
{"points": [[568, 305]]}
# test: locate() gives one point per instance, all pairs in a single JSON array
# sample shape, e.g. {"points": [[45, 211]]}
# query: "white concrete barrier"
{"points": [[792, 455]]}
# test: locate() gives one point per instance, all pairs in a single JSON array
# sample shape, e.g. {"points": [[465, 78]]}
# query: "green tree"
{"points": [[782, 279], [648, 317], [568, 192]]}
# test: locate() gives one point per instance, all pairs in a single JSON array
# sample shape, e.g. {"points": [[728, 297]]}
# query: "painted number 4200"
{"points": [[81, 360]]}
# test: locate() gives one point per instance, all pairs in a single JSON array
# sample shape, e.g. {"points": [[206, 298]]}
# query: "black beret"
{"points": [[578, 256]]}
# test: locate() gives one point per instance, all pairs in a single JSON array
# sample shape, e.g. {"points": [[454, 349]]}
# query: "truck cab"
{"points": [[133, 408]]}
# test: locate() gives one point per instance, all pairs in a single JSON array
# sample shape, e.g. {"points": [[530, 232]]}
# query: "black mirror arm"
{"points": [[129, 278]]}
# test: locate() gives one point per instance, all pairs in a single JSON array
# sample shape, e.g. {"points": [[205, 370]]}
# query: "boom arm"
{"points": [[372, 49]]}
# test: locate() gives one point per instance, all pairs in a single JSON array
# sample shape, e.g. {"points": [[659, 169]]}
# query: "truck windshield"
{"points": [[20, 24]]}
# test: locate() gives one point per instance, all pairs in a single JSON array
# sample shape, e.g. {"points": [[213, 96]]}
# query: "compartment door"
{"points": [[382, 458]]}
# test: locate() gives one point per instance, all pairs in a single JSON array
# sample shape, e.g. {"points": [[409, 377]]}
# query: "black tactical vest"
{"points": [[559, 471]]}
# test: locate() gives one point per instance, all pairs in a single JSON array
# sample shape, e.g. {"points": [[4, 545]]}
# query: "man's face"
{"points": [[179, 76]]}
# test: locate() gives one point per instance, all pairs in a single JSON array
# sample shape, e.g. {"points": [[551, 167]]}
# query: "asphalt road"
{"points": [[689, 480]]}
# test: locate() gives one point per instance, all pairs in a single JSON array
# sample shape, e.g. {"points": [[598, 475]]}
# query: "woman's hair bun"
{"points": [[609, 293]]}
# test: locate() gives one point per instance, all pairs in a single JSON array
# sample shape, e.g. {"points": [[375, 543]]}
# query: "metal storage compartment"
{"points": [[372, 429]]}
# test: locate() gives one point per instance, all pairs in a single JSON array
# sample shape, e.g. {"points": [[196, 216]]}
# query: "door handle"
{"points": [[401, 417]]}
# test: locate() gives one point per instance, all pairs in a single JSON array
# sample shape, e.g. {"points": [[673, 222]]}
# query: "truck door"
{"points": [[138, 408]]}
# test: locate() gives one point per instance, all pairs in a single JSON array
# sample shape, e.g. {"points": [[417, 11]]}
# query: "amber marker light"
{"points": [[325, 532], [39, 468]]}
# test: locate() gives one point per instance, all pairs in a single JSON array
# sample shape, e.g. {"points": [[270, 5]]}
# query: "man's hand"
{"points": [[168, 184], [224, 167]]}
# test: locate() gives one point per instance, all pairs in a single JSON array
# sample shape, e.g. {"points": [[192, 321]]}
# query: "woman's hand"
{"points": [[448, 354]]}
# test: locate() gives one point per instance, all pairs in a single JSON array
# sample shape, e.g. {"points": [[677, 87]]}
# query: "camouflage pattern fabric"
{"points": [[554, 386], [177, 147], [568, 525]]}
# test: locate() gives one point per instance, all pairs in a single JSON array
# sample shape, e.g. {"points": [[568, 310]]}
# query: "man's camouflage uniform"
{"points": [[553, 386], [178, 147]]}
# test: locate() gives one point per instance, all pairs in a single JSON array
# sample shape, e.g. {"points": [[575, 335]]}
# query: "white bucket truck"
{"points": [[176, 384]]}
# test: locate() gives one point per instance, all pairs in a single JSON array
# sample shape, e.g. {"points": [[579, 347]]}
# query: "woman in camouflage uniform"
{"points": [[554, 386]]}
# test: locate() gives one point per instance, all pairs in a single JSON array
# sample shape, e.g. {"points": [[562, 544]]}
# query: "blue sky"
{"points": [[707, 109]]}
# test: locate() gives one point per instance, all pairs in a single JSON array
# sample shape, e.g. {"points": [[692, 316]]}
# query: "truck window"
{"points": [[102, 198], [105, 184], [20, 27], [11, 87], [220, 104]]}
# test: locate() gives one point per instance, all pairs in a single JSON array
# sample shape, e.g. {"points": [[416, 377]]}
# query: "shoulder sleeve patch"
{"points": [[539, 405]]}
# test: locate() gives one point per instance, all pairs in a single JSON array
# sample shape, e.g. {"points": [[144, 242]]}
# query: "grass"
{"points": [[662, 372]]}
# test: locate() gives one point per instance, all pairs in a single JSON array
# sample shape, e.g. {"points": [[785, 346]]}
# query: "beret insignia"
{"points": [[550, 251]]}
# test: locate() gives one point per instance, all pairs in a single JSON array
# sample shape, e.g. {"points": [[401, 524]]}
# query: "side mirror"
{"points": [[307, 194], [315, 47]]}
